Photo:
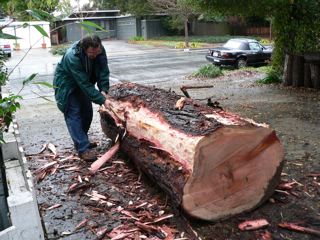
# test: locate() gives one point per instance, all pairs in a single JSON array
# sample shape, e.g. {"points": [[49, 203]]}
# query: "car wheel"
{"points": [[241, 63]]}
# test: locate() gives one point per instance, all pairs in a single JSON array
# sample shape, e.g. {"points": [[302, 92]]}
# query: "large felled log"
{"points": [[214, 163]]}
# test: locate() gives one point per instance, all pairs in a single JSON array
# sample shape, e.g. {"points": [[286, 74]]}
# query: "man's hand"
{"points": [[105, 102], [104, 93]]}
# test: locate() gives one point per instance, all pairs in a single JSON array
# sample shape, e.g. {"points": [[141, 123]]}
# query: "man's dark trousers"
{"points": [[78, 117]]}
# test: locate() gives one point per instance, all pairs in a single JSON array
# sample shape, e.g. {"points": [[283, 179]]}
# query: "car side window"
{"points": [[244, 46], [254, 46]]}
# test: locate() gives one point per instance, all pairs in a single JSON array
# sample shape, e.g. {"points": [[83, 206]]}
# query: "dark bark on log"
{"points": [[297, 71], [287, 72], [214, 163]]}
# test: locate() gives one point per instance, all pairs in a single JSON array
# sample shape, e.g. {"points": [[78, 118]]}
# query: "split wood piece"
{"points": [[253, 224], [212, 162], [297, 228], [95, 166]]}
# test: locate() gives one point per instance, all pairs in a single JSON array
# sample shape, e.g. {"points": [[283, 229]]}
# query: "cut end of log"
{"points": [[235, 170]]}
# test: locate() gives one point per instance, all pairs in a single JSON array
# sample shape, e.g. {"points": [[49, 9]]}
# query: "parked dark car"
{"points": [[5, 48], [240, 52]]}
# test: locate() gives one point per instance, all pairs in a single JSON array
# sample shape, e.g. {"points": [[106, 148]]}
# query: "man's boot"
{"points": [[88, 156]]}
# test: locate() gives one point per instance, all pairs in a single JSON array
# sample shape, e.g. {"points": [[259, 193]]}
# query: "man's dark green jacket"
{"points": [[72, 74]]}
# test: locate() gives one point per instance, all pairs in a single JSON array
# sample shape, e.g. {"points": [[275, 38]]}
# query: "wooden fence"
{"points": [[302, 71]]}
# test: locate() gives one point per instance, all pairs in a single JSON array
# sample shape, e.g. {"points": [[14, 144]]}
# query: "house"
{"points": [[122, 27]]}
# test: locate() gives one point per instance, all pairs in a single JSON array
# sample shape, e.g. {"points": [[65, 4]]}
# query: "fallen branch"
{"points": [[297, 228]]}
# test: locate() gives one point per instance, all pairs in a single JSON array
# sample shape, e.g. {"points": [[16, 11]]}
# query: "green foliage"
{"points": [[136, 38], [40, 15], [65, 8], [169, 26], [41, 30], [8, 106], [266, 41], [92, 25], [3, 71], [208, 71], [17, 9], [180, 45], [59, 50], [297, 30], [273, 76], [194, 45], [29, 79], [7, 36]]}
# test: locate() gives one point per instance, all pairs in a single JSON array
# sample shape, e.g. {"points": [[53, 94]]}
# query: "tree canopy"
{"points": [[16, 8]]}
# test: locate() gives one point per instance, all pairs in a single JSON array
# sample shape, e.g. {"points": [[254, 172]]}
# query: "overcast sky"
{"points": [[74, 3]]}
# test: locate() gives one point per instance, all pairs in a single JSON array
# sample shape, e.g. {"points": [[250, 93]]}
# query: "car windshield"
{"points": [[233, 44]]}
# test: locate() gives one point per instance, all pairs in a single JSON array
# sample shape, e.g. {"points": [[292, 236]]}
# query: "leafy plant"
{"points": [[59, 50], [273, 76], [136, 38], [266, 41], [183, 45], [8, 106], [194, 45], [208, 71], [180, 45]]}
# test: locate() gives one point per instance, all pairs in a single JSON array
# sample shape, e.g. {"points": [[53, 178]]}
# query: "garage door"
{"points": [[126, 28]]}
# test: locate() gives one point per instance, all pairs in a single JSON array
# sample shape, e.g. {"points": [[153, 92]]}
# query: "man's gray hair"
{"points": [[90, 41]]}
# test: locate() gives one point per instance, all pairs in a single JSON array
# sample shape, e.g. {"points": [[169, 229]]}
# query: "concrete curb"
{"points": [[22, 204]]}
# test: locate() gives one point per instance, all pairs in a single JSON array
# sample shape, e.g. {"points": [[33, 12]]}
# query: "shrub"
{"points": [[208, 71], [59, 50], [136, 38], [266, 41], [194, 45], [180, 45], [273, 76]]}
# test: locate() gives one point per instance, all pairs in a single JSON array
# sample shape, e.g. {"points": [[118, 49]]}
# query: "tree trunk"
{"points": [[287, 72], [297, 71], [186, 33], [214, 163]]}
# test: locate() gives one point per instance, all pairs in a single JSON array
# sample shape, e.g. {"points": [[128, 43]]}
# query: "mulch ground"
{"points": [[117, 202]]}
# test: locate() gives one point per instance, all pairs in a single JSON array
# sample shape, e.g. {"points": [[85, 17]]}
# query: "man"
{"points": [[81, 67]]}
